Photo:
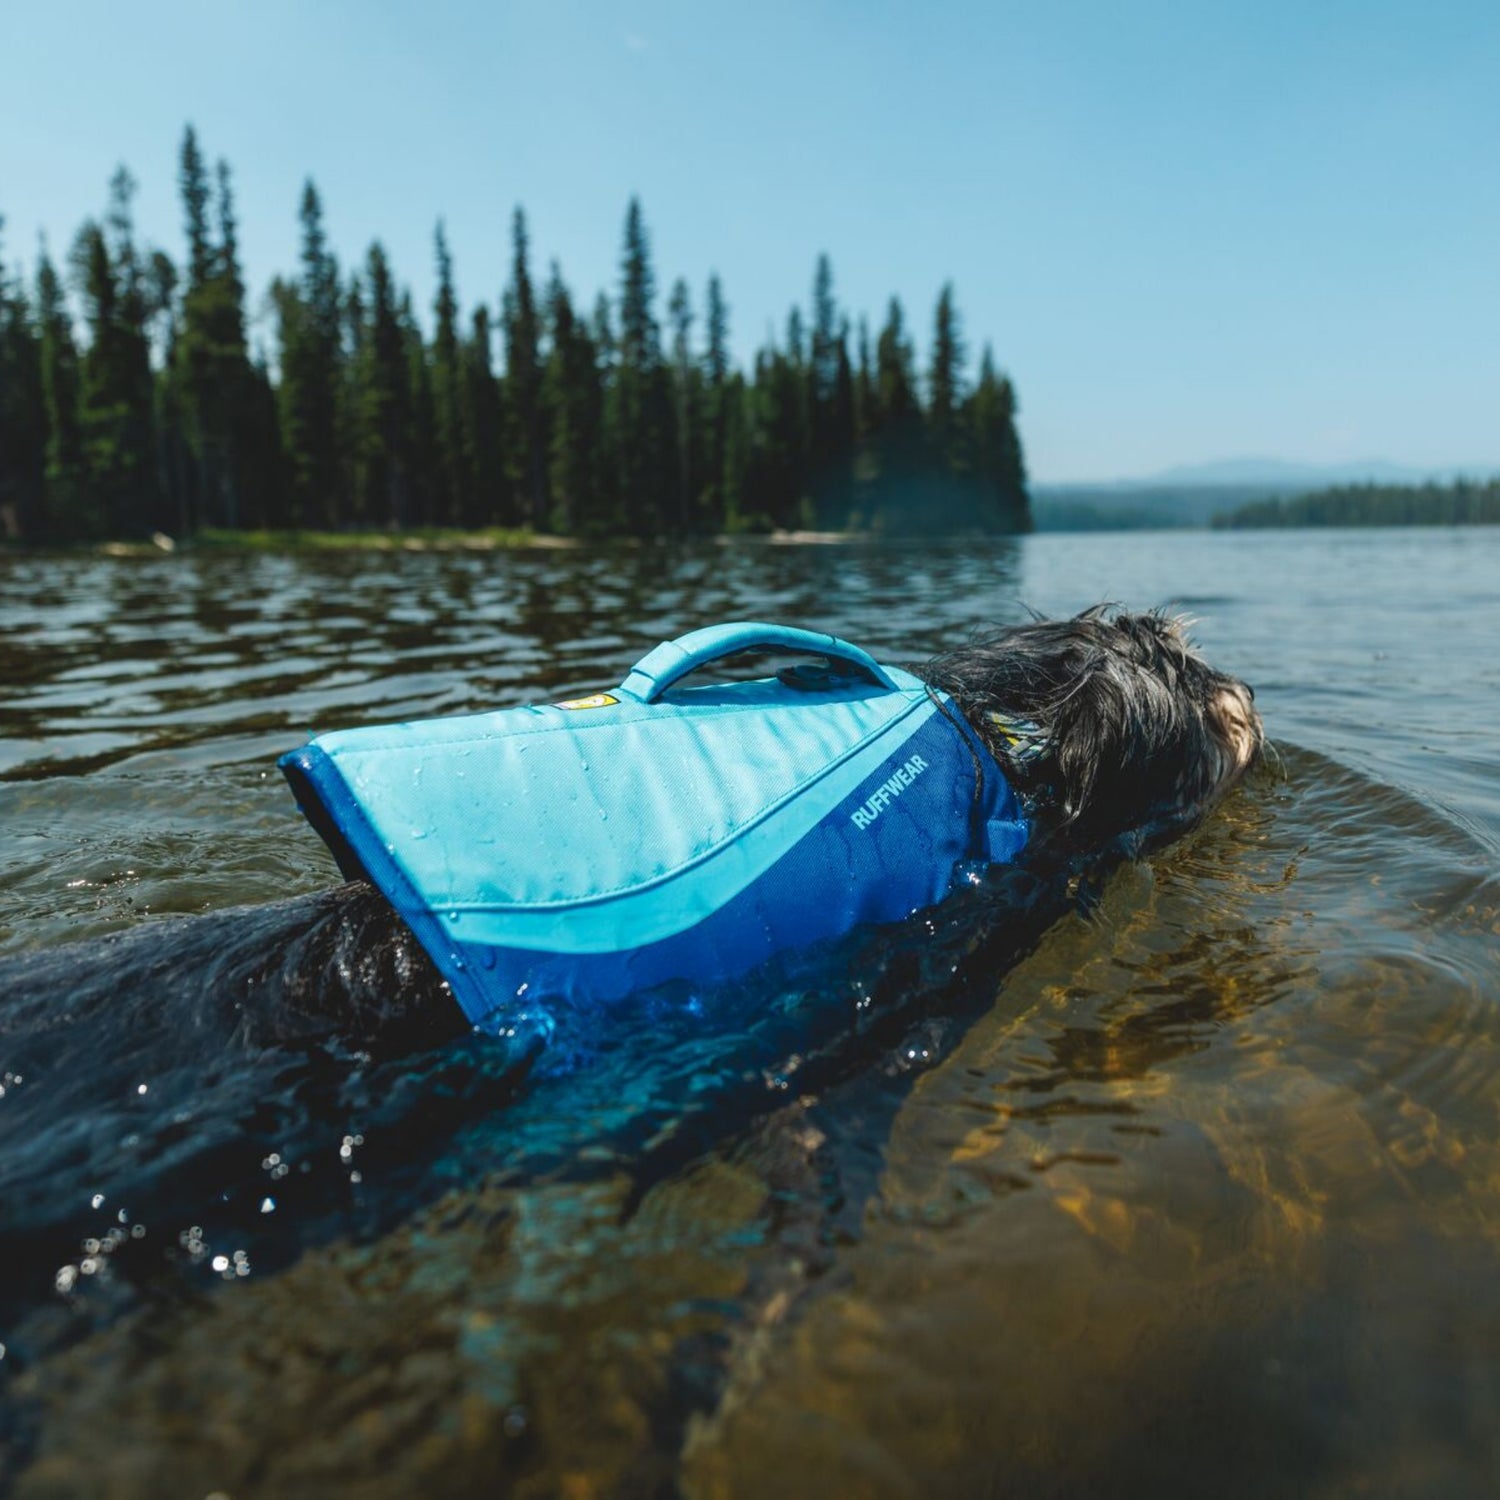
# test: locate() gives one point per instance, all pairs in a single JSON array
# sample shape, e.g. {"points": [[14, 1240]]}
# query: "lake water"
{"points": [[1202, 1195]]}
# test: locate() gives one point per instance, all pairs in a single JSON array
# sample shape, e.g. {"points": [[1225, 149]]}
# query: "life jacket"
{"points": [[659, 830]]}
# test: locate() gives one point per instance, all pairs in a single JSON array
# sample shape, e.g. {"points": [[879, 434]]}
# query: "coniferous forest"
{"points": [[1464, 502], [132, 401]]}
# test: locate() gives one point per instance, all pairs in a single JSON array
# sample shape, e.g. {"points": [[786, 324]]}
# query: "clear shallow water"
{"points": [[1202, 1193]]}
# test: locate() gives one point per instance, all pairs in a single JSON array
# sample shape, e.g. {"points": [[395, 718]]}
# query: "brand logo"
{"points": [[594, 700], [889, 789]]}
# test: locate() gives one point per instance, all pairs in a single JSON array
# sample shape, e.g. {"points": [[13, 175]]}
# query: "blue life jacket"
{"points": [[659, 831]]}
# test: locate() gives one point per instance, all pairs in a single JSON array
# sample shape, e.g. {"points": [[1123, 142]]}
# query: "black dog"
{"points": [[1135, 736], [1113, 731], [201, 1072]]}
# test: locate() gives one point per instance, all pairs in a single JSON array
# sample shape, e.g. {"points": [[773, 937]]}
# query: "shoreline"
{"points": [[487, 539]]}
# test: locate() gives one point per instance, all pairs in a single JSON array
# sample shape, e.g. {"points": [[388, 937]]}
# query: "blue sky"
{"points": [[1189, 232]]}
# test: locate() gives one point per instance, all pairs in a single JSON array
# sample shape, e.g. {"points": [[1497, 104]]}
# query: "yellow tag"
{"points": [[594, 700]]}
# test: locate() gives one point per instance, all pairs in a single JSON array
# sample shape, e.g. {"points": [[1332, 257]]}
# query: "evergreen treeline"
{"points": [[131, 400], [1464, 502]]}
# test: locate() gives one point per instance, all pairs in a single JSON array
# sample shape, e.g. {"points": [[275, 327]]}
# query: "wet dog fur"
{"points": [[1113, 730], [1130, 733]]}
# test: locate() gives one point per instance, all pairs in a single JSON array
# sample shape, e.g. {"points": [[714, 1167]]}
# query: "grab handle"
{"points": [[657, 670]]}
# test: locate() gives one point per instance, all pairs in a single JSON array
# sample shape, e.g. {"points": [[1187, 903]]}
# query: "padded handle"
{"points": [[655, 672]]}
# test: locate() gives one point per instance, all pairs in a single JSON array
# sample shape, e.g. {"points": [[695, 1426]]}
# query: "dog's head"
{"points": [[1107, 724]]}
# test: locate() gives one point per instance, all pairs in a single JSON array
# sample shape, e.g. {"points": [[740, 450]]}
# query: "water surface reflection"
{"points": [[1201, 1193]]}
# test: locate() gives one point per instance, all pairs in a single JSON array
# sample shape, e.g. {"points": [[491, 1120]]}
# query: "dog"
{"points": [[173, 1066], [1112, 729], [1125, 732]]}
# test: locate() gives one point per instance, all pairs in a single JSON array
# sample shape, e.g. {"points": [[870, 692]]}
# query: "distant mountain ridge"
{"points": [[1194, 494], [1278, 473]]}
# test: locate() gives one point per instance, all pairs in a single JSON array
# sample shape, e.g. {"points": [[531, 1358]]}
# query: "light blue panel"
{"points": [[540, 808], [664, 905]]}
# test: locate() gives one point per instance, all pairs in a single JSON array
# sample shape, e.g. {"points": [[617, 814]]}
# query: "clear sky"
{"points": [[1190, 231]]}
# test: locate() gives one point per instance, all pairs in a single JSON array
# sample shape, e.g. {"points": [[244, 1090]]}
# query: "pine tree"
{"points": [[23, 412], [147, 510], [574, 401], [777, 468], [115, 385], [611, 504], [108, 471], [838, 498], [716, 409], [262, 463], [686, 402], [256, 490], [865, 465], [488, 503], [641, 406], [214, 363], [892, 496], [383, 400], [354, 449], [601, 330], [1012, 466], [453, 477], [830, 405], [864, 386], [739, 441], [825, 441], [162, 282], [227, 265], [525, 444], [192, 388], [796, 352], [320, 292], [792, 400], [945, 393], [192, 181], [998, 462], [310, 357], [895, 391], [71, 510], [419, 440]]}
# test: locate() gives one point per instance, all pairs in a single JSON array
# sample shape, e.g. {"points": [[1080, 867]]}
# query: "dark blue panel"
{"points": [[840, 876]]}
